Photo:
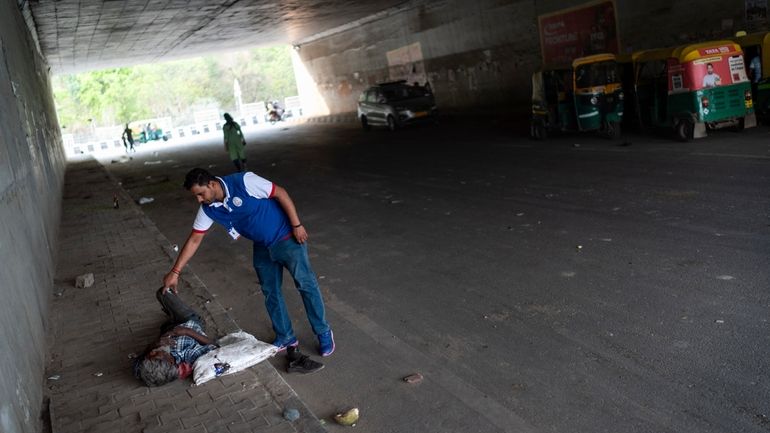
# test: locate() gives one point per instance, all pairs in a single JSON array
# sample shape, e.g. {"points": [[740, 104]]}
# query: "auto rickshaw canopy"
{"points": [[688, 53], [652, 55], [596, 58]]}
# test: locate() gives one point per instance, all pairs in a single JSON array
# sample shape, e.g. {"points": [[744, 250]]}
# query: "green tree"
{"points": [[172, 89]]}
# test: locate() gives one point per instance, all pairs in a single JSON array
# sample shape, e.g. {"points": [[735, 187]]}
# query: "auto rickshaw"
{"points": [[692, 88], [151, 133], [586, 96], [644, 76], [758, 45]]}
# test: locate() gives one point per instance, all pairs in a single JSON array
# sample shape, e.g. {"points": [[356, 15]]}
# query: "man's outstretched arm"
{"points": [[188, 251]]}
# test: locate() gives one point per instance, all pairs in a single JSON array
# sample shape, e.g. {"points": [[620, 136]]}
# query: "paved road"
{"points": [[576, 285]]}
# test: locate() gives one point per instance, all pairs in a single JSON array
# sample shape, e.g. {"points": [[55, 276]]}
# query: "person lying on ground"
{"points": [[182, 341]]}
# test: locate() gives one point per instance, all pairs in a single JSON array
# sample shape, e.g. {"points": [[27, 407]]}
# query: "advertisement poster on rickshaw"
{"points": [[580, 31], [706, 72]]}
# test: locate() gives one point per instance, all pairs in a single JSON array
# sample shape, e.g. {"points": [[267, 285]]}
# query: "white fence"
{"points": [[107, 141]]}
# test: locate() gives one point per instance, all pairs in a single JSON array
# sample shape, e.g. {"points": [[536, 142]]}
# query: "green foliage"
{"points": [[172, 89]]}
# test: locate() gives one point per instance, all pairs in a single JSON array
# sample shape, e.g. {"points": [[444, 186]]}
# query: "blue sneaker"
{"points": [[326, 343], [283, 344]]}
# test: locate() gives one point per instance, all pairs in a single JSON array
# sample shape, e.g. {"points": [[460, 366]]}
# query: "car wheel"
{"points": [[365, 123], [391, 123]]}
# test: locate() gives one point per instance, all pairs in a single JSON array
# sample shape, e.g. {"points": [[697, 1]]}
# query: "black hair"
{"points": [[228, 119], [197, 176]]}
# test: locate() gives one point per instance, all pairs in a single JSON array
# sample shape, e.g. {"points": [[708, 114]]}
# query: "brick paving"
{"points": [[94, 331]]}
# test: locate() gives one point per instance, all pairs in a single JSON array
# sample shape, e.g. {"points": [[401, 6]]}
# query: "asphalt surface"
{"points": [[573, 285]]}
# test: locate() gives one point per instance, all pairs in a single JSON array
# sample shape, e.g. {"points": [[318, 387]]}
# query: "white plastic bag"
{"points": [[240, 350]]}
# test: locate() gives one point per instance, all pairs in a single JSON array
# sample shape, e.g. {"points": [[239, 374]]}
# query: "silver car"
{"points": [[396, 104]]}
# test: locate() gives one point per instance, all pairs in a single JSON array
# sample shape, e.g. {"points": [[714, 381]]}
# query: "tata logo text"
{"points": [[719, 50]]}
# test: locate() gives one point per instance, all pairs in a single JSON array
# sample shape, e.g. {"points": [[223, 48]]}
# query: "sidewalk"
{"points": [[93, 332]]}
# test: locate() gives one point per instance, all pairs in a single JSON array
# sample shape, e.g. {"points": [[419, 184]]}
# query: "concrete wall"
{"points": [[31, 174], [481, 54]]}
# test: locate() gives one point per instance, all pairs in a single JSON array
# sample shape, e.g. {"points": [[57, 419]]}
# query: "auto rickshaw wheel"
{"points": [[612, 129], [684, 130], [740, 125], [538, 131]]}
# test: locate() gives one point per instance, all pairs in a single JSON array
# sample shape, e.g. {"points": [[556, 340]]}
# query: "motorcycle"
{"points": [[276, 114]]}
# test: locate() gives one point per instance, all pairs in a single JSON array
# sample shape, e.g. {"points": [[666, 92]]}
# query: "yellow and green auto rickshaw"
{"points": [[756, 49], [692, 88], [645, 78], [586, 96]]}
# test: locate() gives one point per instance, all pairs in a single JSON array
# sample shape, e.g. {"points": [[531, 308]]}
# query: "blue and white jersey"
{"points": [[247, 210]]}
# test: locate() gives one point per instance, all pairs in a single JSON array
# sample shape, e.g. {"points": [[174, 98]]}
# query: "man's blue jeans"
{"points": [[269, 263]]}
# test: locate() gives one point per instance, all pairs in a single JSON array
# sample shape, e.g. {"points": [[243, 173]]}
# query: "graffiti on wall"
{"points": [[406, 63], [580, 31]]}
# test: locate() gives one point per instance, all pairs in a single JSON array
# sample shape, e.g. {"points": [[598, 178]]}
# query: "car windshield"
{"points": [[596, 74], [398, 93]]}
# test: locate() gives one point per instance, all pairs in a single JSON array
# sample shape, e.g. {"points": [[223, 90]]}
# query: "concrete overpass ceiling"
{"points": [[78, 35]]}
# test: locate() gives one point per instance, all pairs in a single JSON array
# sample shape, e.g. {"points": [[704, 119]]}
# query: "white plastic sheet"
{"points": [[240, 350]]}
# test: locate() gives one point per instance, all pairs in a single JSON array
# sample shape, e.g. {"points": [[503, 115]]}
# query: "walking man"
{"points": [[234, 143], [128, 135], [261, 211]]}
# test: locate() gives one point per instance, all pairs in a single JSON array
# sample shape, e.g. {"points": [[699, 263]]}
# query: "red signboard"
{"points": [[581, 31]]}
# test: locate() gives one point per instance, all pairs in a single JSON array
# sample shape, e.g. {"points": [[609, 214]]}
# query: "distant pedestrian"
{"points": [[755, 69], [234, 143], [128, 136]]}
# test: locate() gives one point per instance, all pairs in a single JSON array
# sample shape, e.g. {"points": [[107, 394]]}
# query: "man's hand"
{"points": [[300, 234], [183, 330], [170, 281], [166, 340], [189, 248]]}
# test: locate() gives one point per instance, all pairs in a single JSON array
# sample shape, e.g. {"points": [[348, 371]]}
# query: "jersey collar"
{"points": [[225, 199]]}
